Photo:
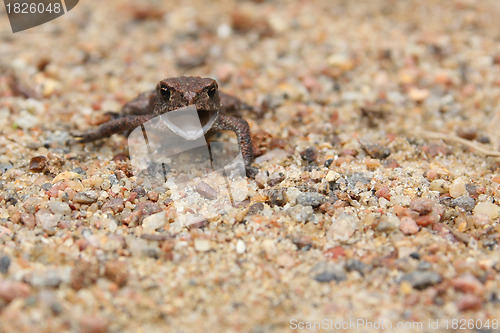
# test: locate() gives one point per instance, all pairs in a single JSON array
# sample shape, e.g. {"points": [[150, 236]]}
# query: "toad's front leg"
{"points": [[111, 127], [242, 130]]}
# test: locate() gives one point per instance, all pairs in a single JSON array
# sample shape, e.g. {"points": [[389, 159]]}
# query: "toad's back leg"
{"points": [[126, 123], [132, 114]]}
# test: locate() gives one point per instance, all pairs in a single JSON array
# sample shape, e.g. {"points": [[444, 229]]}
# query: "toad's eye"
{"points": [[212, 91], [165, 92]]}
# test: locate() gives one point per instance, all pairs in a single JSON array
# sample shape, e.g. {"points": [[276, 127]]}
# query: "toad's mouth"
{"points": [[188, 122], [206, 116]]}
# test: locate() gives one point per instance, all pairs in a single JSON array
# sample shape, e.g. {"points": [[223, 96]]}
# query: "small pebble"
{"points": [[93, 324], [275, 154], [255, 208], [115, 205], [329, 271], [116, 188], [202, 245], [388, 223], [422, 206], [79, 171], [153, 196], [66, 175], [408, 226], [54, 190], [116, 271], [465, 202], [4, 264], [262, 177], [113, 179], [269, 248], [85, 197], [46, 220], [28, 219], [106, 185], [277, 197], [469, 302], [424, 265], [275, 178], [488, 209], [342, 227], [59, 207], [310, 199], [332, 176], [422, 279], [154, 222], [439, 185], [83, 274], [457, 188], [467, 133], [375, 150], [418, 95], [140, 191], [309, 154], [357, 265], [467, 283], [38, 163], [46, 186], [481, 220], [206, 191], [10, 290], [240, 247]]}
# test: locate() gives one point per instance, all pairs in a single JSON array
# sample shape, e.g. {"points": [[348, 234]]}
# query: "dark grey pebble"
{"points": [[327, 272], [310, 199], [363, 178], [484, 139], [355, 265], [464, 202], [79, 171], [309, 154], [4, 264], [46, 186], [375, 150], [424, 265], [151, 252], [415, 255], [422, 279]]}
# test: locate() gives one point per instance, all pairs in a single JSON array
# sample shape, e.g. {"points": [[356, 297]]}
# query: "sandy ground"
{"points": [[376, 202]]}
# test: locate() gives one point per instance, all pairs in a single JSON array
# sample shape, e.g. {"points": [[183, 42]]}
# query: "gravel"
{"points": [[361, 203], [464, 202], [310, 199], [4, 264], [327, 272], [85, 197], [422, 279]]}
